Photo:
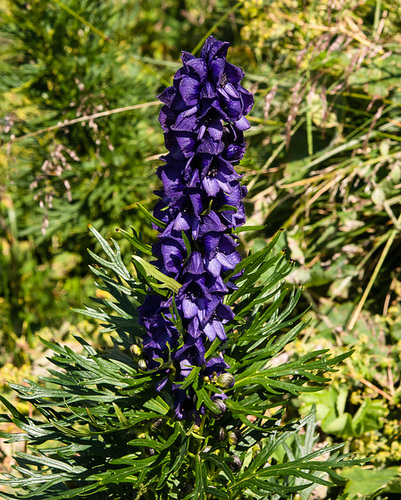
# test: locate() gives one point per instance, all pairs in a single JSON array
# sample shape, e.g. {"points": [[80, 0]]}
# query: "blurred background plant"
{"points": [[324, 162]]}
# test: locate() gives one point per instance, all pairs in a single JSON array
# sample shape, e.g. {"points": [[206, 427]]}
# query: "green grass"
{"points": [[323, 162]]}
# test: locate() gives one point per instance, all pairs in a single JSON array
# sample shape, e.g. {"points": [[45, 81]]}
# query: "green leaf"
{"points": [[135, 241], [187, 243], [228, 208], [248, 228], [370, 416], [182, 455], [220, 462], [150, 217], [200, 479], [192, 378], [204, 398], [368, 481], [157, 405], [124, 422], [15, 413], [149, 270], [115, 263]]}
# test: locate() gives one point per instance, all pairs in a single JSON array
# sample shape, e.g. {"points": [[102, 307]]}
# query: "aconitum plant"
{"points": [[200, 206], [190, 402]]}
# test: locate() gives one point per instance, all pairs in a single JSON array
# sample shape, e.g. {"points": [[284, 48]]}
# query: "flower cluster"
{"points": [[203, 119]]}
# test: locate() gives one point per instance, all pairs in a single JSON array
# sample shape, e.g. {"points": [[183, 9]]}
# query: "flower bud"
{"points": [[222, 434], [135, 349], [256, 449], [225, 380], [156, 424], [221, 406], [234, 437], [149, 452], [142, 365], [235, 464], [207, 449]]}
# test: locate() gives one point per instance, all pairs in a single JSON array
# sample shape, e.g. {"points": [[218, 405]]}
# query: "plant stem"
{"points": [[377, 14], [383, 256], [216, 25], [67, 123]]}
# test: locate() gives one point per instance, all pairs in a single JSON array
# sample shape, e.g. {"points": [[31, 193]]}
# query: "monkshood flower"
{"points": [[203, 119]]}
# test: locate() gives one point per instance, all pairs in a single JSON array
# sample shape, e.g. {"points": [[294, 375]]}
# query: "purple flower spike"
{"points": [[203, 120]]}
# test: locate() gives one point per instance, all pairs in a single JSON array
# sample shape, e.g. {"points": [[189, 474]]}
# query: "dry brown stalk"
{"points": [[67, 123]]}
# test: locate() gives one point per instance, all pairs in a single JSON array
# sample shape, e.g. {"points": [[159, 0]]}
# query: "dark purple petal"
{"points": [[203, 119], [189, 308], [211, 223], [167, 96], [195, 264], [211, 186], [214, 267], [242, 123], [172, 254], [215, 328], [199, 67], [186, 57], [225, 312], [234, 75], [216, 365], [197, 204], [213, 48]]}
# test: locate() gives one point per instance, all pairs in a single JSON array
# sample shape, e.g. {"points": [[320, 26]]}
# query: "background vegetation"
{"points": [[80, 143]]}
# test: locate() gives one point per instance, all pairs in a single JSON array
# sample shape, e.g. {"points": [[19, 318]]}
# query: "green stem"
{"points": [[365, 295], [309, 124], [84, 21], [377, 14], [216, 25], [105, 38]]}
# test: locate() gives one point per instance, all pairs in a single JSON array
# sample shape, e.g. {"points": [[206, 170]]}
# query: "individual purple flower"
{"points": [[200, 206]]}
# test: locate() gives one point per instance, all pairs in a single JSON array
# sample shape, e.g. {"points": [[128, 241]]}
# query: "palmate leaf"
{"points": [[100, 411], [150, 271], [82, 430], [259, 478], [115, 262], [135, 241], [127, 291], [265, 324]]}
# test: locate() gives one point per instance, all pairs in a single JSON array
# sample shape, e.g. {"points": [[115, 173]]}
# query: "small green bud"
{"points": [[156, 424], [234, 437], [135, 349], [225, 380], [142, 365], [256, 449]]}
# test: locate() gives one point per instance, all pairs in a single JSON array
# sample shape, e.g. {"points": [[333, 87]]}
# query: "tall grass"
{"points": [[324, 161]]}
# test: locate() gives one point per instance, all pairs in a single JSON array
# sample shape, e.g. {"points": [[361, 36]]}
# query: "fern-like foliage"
{"points": [[102, 431]]}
